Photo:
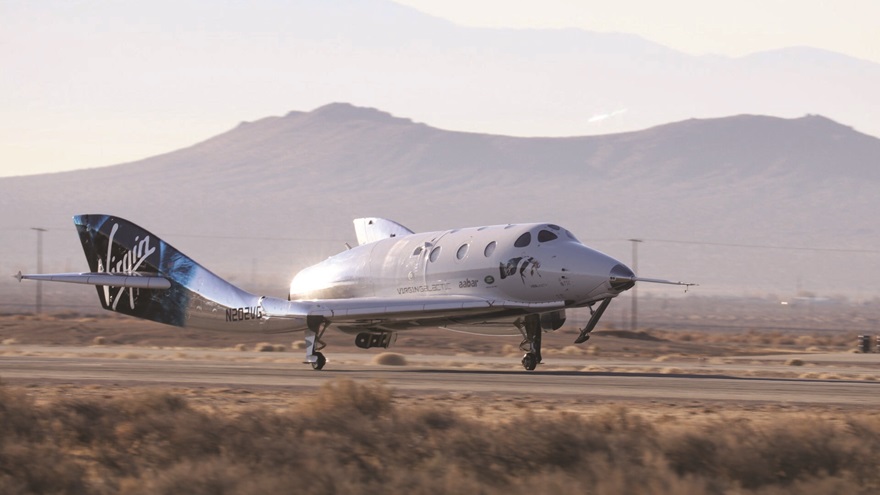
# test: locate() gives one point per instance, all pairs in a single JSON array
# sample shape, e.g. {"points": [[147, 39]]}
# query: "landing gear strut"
{"points": [[531, 342], [594, 319], [317, 326]]}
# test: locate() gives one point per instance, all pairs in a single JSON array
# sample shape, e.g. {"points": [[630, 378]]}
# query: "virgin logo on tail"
{"points": [[127, 264]]}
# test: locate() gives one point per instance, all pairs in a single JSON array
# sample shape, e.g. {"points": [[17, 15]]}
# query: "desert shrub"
{"points": [[27, 467], [390, 359], [264, 347], [778, 453], [19, 417], [351, 438], [351, 399]]}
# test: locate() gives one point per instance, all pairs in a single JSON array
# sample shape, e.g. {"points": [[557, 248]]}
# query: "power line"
{"points": [[248, 238], [747, 246], [39, 231], [172, 235], [760, 246], [663, 241]]}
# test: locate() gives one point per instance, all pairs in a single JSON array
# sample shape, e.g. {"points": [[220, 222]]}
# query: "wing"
{"points": [[400, 313]]}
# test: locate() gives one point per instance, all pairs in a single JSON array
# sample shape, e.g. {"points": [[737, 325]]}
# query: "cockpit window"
{"points": [[524, 240], [554, 227], [546, 236], [569, 234], [418, 251]]}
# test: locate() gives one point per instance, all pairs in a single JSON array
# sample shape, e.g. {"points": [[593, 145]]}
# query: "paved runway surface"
{"points": [[223, 369]]}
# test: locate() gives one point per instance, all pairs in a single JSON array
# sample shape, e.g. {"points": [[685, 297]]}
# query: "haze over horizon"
{"points": [[89, 85]]}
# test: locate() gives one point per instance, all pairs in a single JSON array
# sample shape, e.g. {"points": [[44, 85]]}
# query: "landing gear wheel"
{"points": [[530, 362], [319, 364]]}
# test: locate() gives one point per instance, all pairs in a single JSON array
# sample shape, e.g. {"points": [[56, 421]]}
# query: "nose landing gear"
{"points": [[531, 342], [594, 319]]}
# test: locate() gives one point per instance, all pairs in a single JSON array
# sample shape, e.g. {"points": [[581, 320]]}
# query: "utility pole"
{"points": [[634, 318], [39, 267]]}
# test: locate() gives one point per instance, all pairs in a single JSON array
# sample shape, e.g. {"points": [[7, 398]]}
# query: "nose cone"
{"points": [[621, 278]]}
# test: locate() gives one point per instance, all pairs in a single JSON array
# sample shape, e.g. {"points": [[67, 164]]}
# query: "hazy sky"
{"points": [[696, 27], [100, 82]]}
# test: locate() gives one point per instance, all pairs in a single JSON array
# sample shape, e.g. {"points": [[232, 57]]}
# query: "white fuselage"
{"points": [[530, 263]]}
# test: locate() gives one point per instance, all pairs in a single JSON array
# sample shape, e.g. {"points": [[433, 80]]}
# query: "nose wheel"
{"points": [[530, 361]]}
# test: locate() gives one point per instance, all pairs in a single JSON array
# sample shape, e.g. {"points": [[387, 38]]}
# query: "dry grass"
{"points": [[353, 438], [763, 338]]}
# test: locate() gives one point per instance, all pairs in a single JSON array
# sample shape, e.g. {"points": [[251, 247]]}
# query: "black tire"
{"points": [[319, 364], [530, 362]]}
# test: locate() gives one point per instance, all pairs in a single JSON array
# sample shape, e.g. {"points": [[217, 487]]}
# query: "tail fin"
{"points": [[193, 296]]}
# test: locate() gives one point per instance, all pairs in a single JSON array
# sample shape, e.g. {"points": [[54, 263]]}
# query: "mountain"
{"points": [[261, 201], [249, 59]]}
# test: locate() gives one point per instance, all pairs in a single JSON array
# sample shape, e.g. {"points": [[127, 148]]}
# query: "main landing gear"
{"points": [[320, 361], [531, 330], [317, 325]]}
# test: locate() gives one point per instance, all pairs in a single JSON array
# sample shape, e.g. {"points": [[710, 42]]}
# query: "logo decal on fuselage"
{"points": [[521, 264], [415, 289], [128, 264]]}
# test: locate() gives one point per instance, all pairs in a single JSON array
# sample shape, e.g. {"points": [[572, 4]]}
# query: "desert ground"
{"points": [[696, 384]]}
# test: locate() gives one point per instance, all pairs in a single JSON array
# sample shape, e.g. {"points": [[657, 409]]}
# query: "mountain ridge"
{"points": [[281, 192], [753, 142], [339, 121]]}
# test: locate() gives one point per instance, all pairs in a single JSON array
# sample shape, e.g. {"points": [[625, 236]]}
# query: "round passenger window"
{"points": [[546, 236], [490, 248], [462, 251], [523, 241], [435, 253]]}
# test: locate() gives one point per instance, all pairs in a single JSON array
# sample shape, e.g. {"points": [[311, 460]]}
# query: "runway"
{"points": [[426, 375]]}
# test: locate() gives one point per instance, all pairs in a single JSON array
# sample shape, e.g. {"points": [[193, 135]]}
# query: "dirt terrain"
{"points": [[703, 403], [728, 348]]}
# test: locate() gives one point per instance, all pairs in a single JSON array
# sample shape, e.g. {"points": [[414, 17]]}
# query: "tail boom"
{"points": [[138, 274]]}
